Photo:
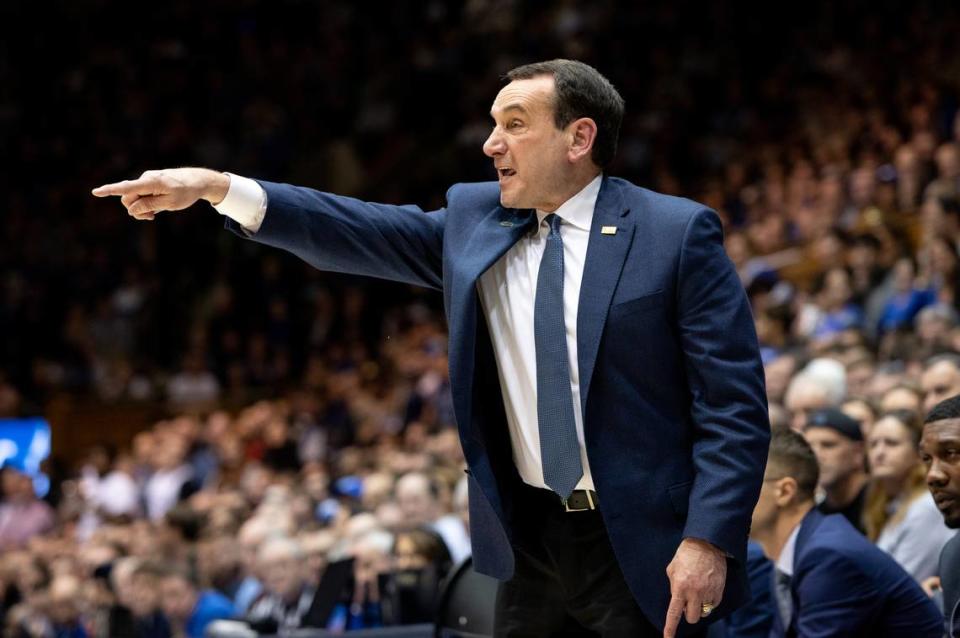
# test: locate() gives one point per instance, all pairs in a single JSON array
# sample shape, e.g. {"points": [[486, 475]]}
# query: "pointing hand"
{"points": [[167, 189]]}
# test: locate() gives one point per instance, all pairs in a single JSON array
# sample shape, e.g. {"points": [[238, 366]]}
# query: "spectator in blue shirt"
{"points": [[188, 608]]}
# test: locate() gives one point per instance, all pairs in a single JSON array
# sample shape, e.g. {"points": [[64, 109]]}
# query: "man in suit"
{"points": [[604, 367], [754, 619], [829, 580], [940, 452]]}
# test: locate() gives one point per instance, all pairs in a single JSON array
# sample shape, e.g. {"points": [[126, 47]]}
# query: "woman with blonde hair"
{"points": [[900, 514]]}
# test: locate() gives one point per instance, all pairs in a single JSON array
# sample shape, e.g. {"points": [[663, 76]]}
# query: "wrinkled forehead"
{"points": [[530, 96]]}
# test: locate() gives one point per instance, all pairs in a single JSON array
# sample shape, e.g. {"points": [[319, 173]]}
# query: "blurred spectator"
{"points": [[837, 441], [138, 591], [900, 515], [421, 562], [187, 608], [170, 475], [287, 591], [940, 379], [417, 496], [906, 299], [22, 514], [904, 397], [194, 386], [862, 412]]}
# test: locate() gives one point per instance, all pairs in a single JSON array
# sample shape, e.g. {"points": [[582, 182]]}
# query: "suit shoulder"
{"points": [[472, 194], [835, 542], [836, 538], [655, 203]]}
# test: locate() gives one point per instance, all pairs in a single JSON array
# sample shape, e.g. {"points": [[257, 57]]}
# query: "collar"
{"points": [[578, 210], [785, 562]]}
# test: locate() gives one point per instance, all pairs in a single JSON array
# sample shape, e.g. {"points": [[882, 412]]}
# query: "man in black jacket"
{"points": [[940, 451]]}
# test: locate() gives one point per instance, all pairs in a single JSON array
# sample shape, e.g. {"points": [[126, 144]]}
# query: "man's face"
{"points": [[940, 452], [940, 382], [416, 503], [177, 598], [765, 513], [801, 401], [282, 572], [142, 597], [837, 455], [528, 150]]}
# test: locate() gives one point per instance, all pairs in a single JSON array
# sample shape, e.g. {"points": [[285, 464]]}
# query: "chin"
{"points": [[510, 198]]}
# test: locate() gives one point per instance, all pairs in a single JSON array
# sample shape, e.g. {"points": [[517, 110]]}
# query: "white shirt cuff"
{"points": [[245, 202]]}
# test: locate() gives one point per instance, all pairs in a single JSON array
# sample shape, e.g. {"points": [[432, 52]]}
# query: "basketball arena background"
{"points": [[170, 391]]}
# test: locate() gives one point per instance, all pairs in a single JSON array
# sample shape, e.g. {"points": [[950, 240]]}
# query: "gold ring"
{"points": [[706, 609]]}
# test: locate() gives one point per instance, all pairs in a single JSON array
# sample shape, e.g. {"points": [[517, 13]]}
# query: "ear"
{"points": [[786, 490], [583, 134]]}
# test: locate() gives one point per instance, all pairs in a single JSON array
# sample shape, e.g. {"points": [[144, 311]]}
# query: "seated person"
{"points": [[900, 515], [287, 590], [940, 454], [837, 441], [421, 561], [828, 579], [754, 619], [188, 608]]}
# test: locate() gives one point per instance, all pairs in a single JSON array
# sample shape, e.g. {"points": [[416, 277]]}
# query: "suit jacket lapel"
{"points": [[500, 229], [602, 266]]}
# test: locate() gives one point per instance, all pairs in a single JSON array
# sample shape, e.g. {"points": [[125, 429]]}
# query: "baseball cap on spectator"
{"points": [[835, 420]]}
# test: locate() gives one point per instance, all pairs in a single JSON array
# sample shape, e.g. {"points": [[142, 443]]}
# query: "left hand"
{"points": [[697, 573]]}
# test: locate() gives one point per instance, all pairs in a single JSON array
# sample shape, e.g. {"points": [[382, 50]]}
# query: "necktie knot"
{"points": [[554, 220]]}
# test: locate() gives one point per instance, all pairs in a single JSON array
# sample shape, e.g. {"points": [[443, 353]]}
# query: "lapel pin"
{"points": [[506, 224], [608, 230]]}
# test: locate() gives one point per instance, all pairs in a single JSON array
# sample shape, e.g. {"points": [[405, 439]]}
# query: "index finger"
{"points": [[674, 613], [142, 186]]}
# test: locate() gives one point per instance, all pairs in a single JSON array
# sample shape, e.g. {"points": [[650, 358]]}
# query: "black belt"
{"points": [[581, 501]]}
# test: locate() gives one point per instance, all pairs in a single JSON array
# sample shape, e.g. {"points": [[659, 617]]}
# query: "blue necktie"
{"points": [[559, 448], [781, 589]]}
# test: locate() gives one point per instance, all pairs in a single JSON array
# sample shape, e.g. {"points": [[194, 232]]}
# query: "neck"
{"points": [[773, 540], [570, 186], [844, 491]]}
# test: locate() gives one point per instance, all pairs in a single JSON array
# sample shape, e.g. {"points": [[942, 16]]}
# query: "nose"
{"points": [[494, 145], [935, 475]]}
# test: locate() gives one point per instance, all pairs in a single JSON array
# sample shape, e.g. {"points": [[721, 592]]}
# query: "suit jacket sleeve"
{"points": [[343, 234], [728, 406]]}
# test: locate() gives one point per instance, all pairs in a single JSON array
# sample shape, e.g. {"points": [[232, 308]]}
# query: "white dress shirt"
{"points": [[785, 560], [507, 293]]}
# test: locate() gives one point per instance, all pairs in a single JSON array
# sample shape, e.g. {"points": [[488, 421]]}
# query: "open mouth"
{"points": [[506, 171]]}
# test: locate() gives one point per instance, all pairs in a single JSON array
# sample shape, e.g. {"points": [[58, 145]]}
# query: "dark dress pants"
{"points": [[567, 581]]}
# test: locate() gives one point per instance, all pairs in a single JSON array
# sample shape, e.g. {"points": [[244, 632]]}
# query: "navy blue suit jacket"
{"points": [[843, 585], [673, 399], [754, 619]]}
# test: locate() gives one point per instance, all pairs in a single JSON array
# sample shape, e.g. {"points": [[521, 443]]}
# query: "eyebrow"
{"points": [[511, 107]]}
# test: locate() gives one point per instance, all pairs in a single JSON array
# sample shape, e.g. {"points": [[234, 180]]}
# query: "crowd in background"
{"points": [[309, 414]]}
